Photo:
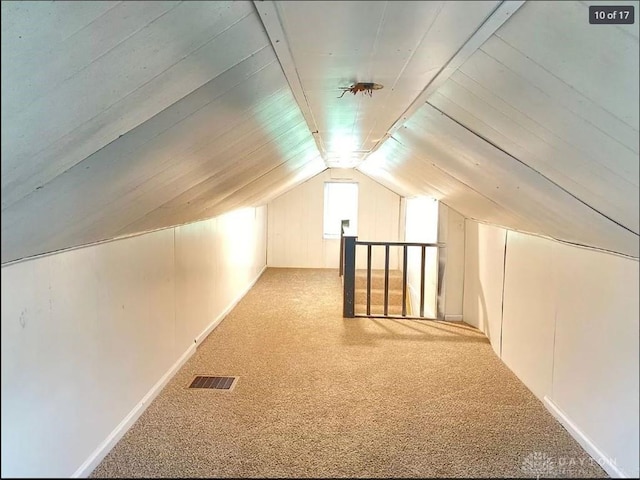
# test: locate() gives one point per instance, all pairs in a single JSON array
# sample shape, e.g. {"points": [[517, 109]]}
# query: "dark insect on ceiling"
{"points": [[365, 87]]}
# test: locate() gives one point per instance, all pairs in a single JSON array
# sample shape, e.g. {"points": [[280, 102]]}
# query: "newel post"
{"points": [[349, 278]]}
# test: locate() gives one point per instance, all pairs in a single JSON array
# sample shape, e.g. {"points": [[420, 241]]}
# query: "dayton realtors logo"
{"points": [[539, 464]]}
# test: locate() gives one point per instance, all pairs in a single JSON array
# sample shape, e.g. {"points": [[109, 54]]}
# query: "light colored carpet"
{"points": [[323, 396]]}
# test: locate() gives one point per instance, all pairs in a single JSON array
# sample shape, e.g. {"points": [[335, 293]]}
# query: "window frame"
{"points": [[354, 221]]}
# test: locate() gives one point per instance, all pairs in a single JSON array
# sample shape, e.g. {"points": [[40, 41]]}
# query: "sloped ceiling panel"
{"points": [[485, 183], [533, 123], [402, 45], [271, 185], [121, 117], [538, 89], [77, 75], [222, 129], [409, 172]]}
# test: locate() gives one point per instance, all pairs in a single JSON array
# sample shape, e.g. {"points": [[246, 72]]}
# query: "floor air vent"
{"points": [[214, 383]]}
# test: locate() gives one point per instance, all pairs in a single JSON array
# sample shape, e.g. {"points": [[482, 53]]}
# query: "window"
{"points": [[340, 203]]}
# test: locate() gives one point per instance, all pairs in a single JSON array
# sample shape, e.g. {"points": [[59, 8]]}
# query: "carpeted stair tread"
{"points": [[377, 279], [377, 296]]}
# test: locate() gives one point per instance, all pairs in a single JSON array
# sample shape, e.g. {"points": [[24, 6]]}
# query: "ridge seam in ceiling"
{"points": [[500, 14], [273, 26]]}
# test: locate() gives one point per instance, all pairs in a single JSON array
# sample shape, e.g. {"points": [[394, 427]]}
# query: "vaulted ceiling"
{"points": [[124, 117]]}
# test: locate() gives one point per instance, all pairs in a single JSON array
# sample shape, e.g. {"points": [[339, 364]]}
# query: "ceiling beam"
{"points": [[268, 13], [272, 22], [494, 20]]}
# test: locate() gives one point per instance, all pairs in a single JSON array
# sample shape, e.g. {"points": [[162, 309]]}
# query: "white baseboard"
{"points": [[453, 318], [607, 464], [105, 447], [205, 333]]}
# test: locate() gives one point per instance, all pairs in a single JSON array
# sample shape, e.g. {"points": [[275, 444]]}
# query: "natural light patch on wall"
{"points": [[340, 203], [101, 328], [296, 222], [422, 226], [235, 247]]}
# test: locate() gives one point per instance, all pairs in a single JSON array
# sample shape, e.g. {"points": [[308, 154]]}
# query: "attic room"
{"points": [[175, 175]]}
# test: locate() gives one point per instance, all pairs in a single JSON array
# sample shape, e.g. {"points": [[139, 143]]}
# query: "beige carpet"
{"points": [[323, 396]]}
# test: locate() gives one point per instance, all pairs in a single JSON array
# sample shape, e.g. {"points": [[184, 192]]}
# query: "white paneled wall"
{"points": [[421, 225], [483, 279], [595, 363], [296, 223], [451, 233], [529, 310], [569, 329], [89, 336]]}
